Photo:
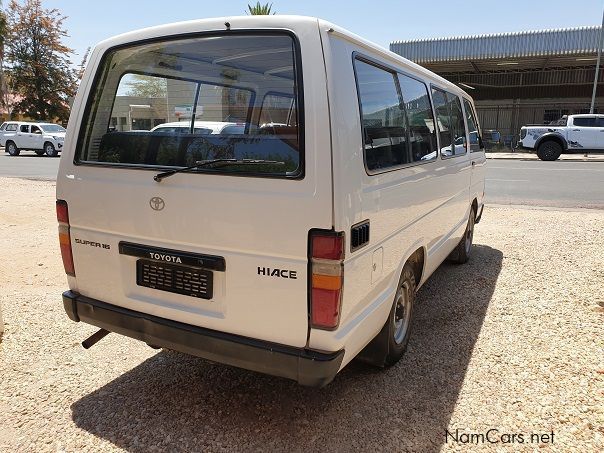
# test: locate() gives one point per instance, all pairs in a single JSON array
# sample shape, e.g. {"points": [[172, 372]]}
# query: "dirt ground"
{"points": [[508, 345]]}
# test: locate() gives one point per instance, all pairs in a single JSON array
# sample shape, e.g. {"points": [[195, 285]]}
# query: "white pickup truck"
{"points": [[569, 133], [43, 138]]}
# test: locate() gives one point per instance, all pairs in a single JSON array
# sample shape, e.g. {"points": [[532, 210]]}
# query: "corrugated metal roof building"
{"points": [[530, 77], [567, 41]]}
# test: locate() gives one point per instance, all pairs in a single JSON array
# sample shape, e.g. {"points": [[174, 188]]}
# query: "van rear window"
{"points": [[174, 103]]}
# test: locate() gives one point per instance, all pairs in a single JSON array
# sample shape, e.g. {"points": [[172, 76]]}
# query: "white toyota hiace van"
{"points": [[288, 245]]}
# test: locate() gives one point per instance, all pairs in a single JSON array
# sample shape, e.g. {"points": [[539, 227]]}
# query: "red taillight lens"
{"points": [[65, 238], [327, 246], [326, 279], [62, 212], [325, 311]]}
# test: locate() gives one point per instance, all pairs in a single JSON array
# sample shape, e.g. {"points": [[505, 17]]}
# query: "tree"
{"points": [[38, 62], [2, 32], [146, 86], [260, 10], [82, 67], [3, 79]]}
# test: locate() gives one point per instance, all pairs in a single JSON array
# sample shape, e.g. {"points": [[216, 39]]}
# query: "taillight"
{"points": [[327, 278], [64, 237]]}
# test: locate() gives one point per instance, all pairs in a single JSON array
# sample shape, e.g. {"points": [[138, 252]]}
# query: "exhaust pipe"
{"points": [[95, 338]]}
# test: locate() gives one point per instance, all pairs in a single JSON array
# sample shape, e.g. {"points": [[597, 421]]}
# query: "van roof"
{"points": [[266, 22]]}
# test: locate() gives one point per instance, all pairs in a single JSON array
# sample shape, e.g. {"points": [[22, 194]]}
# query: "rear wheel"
{"points": [[549, 150], [401, 316], [39, 152], [50, 150], [389, 345], [461, 254], [12, 149]]}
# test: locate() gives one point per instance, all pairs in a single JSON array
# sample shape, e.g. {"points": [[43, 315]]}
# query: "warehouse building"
{"points": [[517, 79]]}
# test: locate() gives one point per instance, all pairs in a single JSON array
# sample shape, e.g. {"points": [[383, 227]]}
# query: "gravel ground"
{"points": [[511, 341]]}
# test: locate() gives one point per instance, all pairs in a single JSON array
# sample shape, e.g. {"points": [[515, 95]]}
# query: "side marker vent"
{"points": [[359, 235]]}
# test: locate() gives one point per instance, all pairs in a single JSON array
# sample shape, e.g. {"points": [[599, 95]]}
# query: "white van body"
{"points": [[250, 233]]}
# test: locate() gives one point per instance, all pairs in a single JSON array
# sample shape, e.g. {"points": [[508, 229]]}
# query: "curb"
{"points": [[533, 157]]}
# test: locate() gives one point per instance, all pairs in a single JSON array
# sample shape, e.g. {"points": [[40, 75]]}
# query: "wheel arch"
{"points": [[417, 260], [375, 352], [553, 136]]}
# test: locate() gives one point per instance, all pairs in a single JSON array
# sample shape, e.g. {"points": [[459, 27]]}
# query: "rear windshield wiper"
{"points": [[211, 162]]}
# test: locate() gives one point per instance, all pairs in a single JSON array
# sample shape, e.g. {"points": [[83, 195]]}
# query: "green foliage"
{"points": [[260, 10], [38, 64], [146, 86]]}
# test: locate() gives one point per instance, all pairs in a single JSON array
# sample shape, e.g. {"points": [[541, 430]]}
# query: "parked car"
{"points": [[290, 247], [43, 138], [569, 133], [202, 127]]}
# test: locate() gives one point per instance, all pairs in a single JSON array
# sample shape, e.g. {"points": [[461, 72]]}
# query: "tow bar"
{"points": [[95, 338]]}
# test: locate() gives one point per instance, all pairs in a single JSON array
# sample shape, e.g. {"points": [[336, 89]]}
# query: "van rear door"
{"points": [[222, 246]]}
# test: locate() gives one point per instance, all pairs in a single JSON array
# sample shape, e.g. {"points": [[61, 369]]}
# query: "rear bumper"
{"points": [[307, 367]]}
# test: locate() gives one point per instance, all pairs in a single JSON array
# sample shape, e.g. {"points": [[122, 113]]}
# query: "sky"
{"points": [[380, 21]]}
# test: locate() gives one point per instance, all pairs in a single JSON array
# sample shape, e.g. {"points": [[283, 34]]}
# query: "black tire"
{"points": [[12, 149], [50, 150], [390, 343], [549, 150], [397, 330], [401, 312], [461, 254], [39, 152]]}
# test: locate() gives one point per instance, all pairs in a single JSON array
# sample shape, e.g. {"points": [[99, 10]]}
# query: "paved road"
{"points": [[558, 184], [28, 165]]}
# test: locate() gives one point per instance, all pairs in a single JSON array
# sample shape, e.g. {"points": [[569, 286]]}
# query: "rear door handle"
{"points": [[576, 130]]}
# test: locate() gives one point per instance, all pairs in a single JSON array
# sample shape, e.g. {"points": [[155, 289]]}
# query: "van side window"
{"points": [[458, 123], [476, 143], [24, 128], [3, 126], [278, 110], [382, 118], [422, 132], [223, 103], [11, 127], [443, 120], [451, 126]]}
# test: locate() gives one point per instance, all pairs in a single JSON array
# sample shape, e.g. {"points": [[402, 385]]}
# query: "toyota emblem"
{"points": [[157, 203]]}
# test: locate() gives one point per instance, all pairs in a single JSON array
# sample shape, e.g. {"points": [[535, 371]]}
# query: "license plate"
{"points": [[186, 280]]}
